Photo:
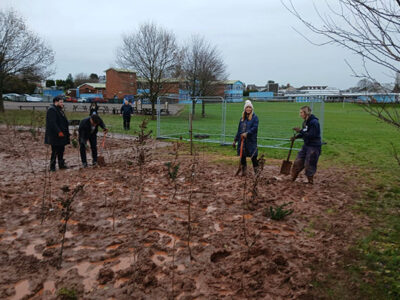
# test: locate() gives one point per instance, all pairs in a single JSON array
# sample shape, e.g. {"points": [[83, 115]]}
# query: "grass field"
{"points": [[354, 139]]}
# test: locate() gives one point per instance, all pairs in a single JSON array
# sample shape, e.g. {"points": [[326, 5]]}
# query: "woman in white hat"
{"points": [[247, 131]]}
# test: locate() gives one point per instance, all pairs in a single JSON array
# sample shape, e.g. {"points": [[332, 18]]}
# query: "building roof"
{"points": [[94, 85], [121, 70], [141, 79]]}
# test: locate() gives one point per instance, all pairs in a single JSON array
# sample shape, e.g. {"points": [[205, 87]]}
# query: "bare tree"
{"points": [[152, 53], [202, 65], [368, 28], [21, 51]]}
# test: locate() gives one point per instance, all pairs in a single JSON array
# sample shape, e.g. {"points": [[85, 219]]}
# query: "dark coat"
{"points": [[311, 132], [250, 143], [85, 129], [126, 110], [56, 122], [93, 109]]}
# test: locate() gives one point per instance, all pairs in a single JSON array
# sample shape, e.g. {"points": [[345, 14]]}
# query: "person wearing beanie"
{"points": [[247, 131], [57, 133]]}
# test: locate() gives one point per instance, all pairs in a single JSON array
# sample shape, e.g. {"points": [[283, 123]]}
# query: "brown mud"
{"points": [[119, 248]]}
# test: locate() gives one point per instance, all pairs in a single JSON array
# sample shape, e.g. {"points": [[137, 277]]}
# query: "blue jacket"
{"points": [[310, 132], [250, 143]]}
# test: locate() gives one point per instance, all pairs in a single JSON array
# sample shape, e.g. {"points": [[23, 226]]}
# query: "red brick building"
{"points": [[92, 88], [120, 82]]}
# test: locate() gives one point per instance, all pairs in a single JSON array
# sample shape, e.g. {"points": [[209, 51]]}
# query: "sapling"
{"points": [[278, 213], [192, 177], [173, 169], [66, 214]]}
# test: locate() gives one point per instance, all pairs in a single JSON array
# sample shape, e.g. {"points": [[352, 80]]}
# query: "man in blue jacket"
{"points": [[126, 111], [88, 132], [309, 154], [57, 133]]}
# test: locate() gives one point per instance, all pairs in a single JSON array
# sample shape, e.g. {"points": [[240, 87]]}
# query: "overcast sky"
{"points": [[256, 37]]}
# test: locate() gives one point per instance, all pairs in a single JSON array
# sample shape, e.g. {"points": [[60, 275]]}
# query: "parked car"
{"points": [[82, 100], [70, 99], [11, 97], [30, 98], [98, 100]]}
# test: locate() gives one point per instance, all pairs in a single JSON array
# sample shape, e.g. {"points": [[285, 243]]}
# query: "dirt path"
{"points": [[118, 247]]}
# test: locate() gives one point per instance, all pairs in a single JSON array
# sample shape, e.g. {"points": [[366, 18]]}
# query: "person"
{"points": [[93, 108], [126, 111], [88, 128], [308, 156], [247, 131], [57, 133]]}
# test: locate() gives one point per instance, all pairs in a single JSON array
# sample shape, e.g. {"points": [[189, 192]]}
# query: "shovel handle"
{"points": [[290, 150], [104, 140]]}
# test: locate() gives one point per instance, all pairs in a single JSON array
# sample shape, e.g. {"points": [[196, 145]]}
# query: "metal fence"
{"points": [[222, 117]]}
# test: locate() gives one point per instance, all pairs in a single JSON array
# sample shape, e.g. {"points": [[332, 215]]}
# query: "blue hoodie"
{"points": [[311, 133]]}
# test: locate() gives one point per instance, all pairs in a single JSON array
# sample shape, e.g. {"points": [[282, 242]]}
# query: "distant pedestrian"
{"points": [[126, 112], [88, 128], [93, 108], [57, 133], [247, 132], [309, 154]]}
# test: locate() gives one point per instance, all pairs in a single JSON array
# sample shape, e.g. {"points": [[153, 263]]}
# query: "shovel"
{"points": [[287, 164], [240, 159], [100, 159]]}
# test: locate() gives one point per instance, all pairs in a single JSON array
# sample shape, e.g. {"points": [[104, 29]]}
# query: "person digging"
{"points": [[247, 136], [308, 156], [88, 128]]}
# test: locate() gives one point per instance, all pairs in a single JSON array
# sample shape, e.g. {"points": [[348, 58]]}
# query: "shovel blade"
{"points": [[286, 167], [100, 161]]}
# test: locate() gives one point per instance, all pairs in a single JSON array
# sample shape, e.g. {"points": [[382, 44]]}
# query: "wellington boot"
{"points": [[294, 175], [244, 170], [310, 179]]}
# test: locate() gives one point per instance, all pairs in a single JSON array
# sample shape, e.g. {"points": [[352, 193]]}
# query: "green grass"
{"points": [[354, 139]]}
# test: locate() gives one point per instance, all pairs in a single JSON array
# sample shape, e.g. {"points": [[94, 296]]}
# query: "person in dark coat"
{"points": [[126, 111], [93, 108], [57, 133], [88, 128], [309, 154], [247, 131]]}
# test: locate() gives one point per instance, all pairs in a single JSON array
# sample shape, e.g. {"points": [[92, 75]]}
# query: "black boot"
{"points": [[310, 179], [62, 165], [244, 170]]}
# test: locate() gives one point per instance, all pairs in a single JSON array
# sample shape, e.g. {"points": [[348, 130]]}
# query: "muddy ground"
{"points": [[124, 243]]}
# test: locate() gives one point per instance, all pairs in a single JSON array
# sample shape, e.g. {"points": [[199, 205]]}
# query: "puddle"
{"points": [[89, 271], [21, 290], [30, 250], [124, 263]]}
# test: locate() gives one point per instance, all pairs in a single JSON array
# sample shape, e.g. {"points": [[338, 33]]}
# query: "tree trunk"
{"points": [[1, 96], [193, 107], [153, 109], [203, 109]]}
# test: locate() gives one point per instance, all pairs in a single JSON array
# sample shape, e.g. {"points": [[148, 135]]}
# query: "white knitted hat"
{"points": [[248, 103]]}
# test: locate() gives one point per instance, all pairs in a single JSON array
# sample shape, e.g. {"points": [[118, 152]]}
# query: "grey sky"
{"points": [[256, 37]]}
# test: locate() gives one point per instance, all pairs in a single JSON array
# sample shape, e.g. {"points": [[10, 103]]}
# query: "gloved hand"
{"points": [[297, 129], [105, 130], [60, 134], [234, 144], [292, 138]]}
